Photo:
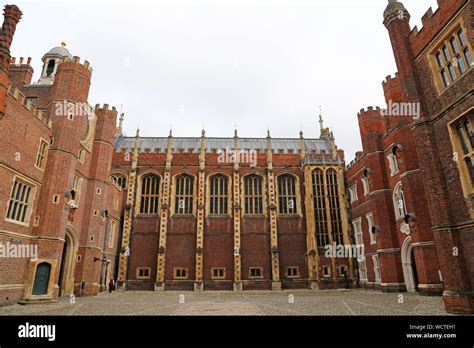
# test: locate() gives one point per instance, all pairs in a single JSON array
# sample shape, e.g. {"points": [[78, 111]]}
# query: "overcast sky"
{"points": [[251, 64]]}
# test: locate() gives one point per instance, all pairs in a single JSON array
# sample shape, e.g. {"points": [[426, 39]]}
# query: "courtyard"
{"points": [[287, 302]]}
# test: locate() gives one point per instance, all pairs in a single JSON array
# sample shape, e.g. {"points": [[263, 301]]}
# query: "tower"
{"points": [[397, 22], [51, 61]]}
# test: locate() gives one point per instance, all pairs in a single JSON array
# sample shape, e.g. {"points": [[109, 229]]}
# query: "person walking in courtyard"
{"points": [[111, 285]]}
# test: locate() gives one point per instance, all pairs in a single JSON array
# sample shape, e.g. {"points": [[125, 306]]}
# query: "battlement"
{"points": [[390, 79], [17, 95], [105, 109], [20, 62], [370, 109], [433, 21], [359, 155], [77, 60], [425, 21]]}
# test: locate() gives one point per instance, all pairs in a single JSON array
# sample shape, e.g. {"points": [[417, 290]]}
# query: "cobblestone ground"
{"points": [[305, 302]]}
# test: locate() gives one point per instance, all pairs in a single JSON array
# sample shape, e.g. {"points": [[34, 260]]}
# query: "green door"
{"points": [[40, 286]]}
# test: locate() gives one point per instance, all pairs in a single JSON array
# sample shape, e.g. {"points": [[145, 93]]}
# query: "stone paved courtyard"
{"points": [[289, 302]]}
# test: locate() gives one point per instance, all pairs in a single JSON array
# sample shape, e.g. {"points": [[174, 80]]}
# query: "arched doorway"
{"points": [[413, 267], [66, 273], [409, 266], [41, 283]]}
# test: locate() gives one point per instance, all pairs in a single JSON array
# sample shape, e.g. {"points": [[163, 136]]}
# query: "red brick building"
{"points": [[59, 210], [232, 213], [412, 187]]}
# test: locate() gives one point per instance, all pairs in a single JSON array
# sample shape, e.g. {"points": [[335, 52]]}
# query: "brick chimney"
{"points": [[12, 16]]}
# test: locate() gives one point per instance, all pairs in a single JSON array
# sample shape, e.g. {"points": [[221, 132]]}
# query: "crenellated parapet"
{"points": [[358, 157], [369, 111], [432, 21], [105, 110], [77, 61], [390, 80], [25, 103]]}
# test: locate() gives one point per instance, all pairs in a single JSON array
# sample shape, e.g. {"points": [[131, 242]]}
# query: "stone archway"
{"points": [[66, 272], [408, 265]]}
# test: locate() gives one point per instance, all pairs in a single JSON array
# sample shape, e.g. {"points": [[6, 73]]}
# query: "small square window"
{"points": [[292, 272], [256, 272], [92, 239], [98, 191], [36, 221], [342, 270], [218, 273], [143, 273], [180, 273], [78, 258], [326, 271], [56, 199]]}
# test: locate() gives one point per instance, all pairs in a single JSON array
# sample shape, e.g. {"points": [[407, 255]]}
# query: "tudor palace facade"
{"points": [[412, 187], [201, 213], [232, 213]]}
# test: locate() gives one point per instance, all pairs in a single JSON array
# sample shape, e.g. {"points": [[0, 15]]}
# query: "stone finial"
{"points": [[321, 122], [122, 117]]}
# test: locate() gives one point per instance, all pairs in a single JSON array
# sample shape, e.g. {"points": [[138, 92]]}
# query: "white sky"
{"points": [[254, 64]]}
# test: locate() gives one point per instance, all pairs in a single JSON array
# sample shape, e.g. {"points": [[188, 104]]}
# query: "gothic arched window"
{"points": [[399, 202], [319, 201], [219, 195], [184, 195], [150, 194], [334, 206], [120, 180], [253, 194], [287, 194]]}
